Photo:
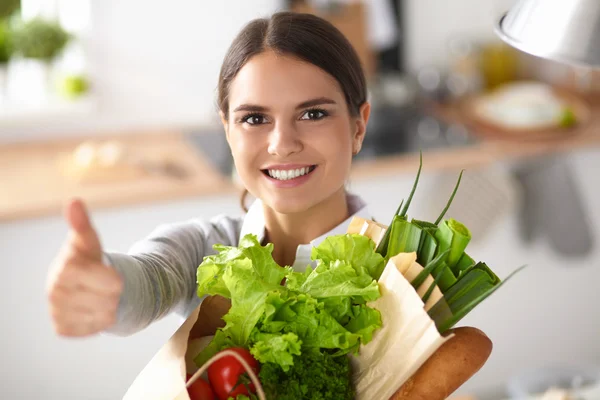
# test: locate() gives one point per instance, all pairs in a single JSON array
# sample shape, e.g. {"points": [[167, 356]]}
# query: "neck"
{"points": [[288, 231]]}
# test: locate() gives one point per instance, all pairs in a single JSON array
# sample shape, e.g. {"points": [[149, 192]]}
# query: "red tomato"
{"points": [[224, 373], [200, 390]]}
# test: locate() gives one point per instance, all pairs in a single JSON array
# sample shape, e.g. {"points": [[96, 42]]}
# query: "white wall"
{"points": [[153, 64], [156, 65], [432, 24], [540, 318]]}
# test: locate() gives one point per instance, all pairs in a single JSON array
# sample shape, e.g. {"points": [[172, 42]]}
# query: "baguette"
{"points": [[455, 362]]}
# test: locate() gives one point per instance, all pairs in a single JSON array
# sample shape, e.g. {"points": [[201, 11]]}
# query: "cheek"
{"points": [[244, 151]]}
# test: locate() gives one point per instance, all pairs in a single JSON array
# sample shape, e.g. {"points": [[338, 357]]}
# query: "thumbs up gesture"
{"points": [[83, 293]]}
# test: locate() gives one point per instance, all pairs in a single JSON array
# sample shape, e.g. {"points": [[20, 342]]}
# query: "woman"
{"points": [[293, 103]]}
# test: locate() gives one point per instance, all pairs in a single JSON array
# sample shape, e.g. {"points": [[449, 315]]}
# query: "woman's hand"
{"points": [[83, 293], [454, 363]]}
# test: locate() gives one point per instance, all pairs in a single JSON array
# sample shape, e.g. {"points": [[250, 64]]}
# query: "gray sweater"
{"points": [[159, 271]]}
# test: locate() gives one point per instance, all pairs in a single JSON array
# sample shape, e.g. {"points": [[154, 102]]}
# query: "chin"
{"points": [[290, 204]]}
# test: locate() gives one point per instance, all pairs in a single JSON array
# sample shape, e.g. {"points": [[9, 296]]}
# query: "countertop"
{"points": [[33, 185]]}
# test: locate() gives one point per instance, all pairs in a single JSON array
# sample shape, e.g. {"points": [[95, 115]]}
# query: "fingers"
{"points": [[76, 300], [83, 235], [81, 313], [82, 323], [79, 274]]}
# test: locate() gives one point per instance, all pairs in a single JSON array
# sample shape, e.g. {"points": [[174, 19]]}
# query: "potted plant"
{"points": [[4, 56], [37, 42], [7, 10]]}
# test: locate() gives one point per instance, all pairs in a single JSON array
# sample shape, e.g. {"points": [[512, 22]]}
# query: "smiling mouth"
{"points": [[289, 174]]}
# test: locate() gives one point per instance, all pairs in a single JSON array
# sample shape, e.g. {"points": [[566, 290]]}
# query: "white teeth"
{"points": [[284, 175]]}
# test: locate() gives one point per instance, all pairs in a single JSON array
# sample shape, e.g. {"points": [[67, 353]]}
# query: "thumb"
{"points": [[84, 236]]}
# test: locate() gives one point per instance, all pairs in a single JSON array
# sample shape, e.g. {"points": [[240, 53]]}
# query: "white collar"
{"points": [[254, 223]]}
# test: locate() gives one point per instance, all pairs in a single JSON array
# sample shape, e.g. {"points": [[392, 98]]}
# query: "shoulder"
{"points": [[222, 228]]}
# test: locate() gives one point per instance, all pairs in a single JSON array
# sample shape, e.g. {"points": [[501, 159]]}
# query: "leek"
{"points": [[404, 237], [431, 288], [428, 269], [446, 277], [465, 295], [428, 245], [454, 236], [463, 264], [382, 247], [440, 248]]}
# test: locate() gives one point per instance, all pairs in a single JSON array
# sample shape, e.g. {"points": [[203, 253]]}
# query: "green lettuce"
{"points": [[324, 308], [357, 250]]}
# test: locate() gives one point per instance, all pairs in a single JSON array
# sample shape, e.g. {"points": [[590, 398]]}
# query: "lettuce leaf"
{"points": [[357, 250], [209, 275], [336, 279], [317, 310], [275, 348]]}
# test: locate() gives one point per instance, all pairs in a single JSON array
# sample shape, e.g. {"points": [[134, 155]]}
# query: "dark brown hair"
{"points": [[306, 37]]}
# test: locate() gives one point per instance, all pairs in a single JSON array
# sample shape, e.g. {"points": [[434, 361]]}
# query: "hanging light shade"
{"points": [[567, 31]]}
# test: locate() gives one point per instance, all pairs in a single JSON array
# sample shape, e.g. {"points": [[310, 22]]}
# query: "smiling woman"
{"points": [[292, 98], [293, 101]]}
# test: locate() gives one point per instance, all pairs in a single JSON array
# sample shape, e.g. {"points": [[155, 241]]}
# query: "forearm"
{"points": [[160, 271]]}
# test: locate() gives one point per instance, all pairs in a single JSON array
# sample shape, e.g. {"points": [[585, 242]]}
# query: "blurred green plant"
{"points": [[8, 7], [5, 50], [39, 39]]}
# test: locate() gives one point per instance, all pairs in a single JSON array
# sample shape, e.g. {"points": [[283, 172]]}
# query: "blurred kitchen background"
{"points": [[114, 101]]}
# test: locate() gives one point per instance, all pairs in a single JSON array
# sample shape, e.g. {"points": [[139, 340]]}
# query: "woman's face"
{"points": [[290, 132]]}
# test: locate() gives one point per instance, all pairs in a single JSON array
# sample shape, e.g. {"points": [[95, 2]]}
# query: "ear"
{"points": [[225, 123], [361, 127]]}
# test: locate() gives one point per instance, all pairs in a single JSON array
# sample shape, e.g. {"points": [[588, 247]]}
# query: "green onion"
{"points": [[437, 222], [424, 224], [464, 263], [446, 277], [427, 248], [467, 294], [412, 192], [404, 237], [428, 269], [440, 248], [382, 247], [428, 245], [431, 287], [454, 236]]}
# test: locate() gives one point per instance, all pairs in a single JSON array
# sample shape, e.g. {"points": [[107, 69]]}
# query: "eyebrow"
{"points": [[309, 103]]}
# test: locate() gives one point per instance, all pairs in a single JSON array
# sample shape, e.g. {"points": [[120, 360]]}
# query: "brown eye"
{"points": [[314, 114], [254, 119]]}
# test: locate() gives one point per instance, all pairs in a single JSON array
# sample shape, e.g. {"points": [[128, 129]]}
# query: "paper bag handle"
{"points": [[225, 353]]}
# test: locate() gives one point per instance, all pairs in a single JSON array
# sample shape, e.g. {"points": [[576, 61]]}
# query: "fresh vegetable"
{"points": [[440, 247], [228, 377], [320, 311], [200, 390], [321, 308], [313, 375]]}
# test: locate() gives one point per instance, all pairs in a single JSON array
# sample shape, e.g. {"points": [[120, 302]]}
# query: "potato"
{"points": [[455, 362]]}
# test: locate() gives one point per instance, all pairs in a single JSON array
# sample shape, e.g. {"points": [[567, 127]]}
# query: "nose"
{"points": [[284, 141]]}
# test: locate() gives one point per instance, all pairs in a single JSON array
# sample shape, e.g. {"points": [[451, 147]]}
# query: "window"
{"points": [[32, 85]]}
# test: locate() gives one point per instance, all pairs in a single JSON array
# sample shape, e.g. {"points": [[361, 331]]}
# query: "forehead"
{"points": [[269, 79]]}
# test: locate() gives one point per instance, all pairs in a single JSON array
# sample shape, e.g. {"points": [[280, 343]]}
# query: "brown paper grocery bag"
{"points": [[164, 377]]}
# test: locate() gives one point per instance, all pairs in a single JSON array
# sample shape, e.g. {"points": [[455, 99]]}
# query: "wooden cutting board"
{"points": [[34, 181]]}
